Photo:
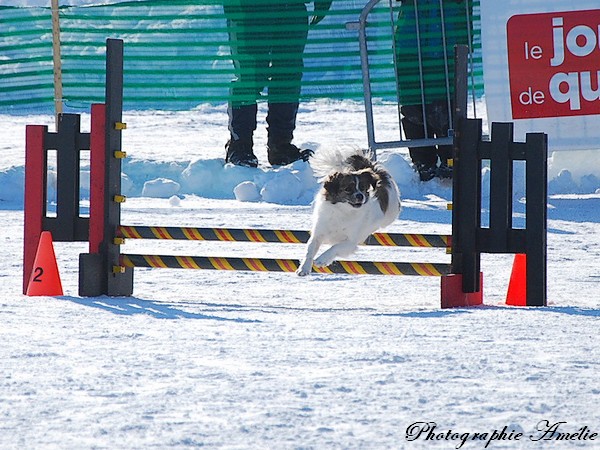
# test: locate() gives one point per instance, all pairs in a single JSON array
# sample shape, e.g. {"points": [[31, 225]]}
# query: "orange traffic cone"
{"points": [[517, 287], [45, 279]]}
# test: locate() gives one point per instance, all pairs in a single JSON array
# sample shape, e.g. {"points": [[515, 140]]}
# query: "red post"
{"points": [[97, 176], [35, 195], [453, 295]]}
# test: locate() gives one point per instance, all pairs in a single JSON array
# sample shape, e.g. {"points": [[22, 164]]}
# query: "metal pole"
{"points": [[364, 58], [56, 59]]}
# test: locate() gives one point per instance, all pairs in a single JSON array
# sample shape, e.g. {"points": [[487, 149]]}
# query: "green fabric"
{"points": [[428, 56], [267, 47], [178, 53]]}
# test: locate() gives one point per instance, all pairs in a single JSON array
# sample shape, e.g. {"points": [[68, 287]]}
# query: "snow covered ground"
{"points": [[273, 361]]}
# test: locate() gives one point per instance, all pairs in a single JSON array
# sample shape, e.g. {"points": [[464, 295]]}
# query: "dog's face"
{"points": [[352, 188]]}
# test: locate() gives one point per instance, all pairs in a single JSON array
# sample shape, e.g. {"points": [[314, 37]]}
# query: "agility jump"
{"points": [[106, 271], [277, 265]]}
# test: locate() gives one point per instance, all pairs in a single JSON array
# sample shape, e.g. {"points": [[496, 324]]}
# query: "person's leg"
{"points": [[239, 147], [282, 120], [250, 60], [423, 158], [242, 121], [438, 118], [288, 39]]}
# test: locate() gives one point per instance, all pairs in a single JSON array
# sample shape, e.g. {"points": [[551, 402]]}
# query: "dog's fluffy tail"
{"points": [[329, 160]]}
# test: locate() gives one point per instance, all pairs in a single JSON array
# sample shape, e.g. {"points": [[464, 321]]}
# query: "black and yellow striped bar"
{"points": [[281, 236], [283, 265]]}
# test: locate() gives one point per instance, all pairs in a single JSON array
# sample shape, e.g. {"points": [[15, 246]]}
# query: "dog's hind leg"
{"points": [[343, 248], [312, 247]]}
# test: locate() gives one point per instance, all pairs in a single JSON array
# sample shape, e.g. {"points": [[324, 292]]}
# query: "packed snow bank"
{"points": [[294, 184], [190, 161]]}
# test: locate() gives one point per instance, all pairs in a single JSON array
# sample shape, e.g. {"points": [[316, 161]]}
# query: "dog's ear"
{"points": [[369, 177], [332, 187], [332, 183]]}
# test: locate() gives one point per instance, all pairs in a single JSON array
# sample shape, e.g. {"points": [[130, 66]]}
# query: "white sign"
{"points": [[541, 66]]}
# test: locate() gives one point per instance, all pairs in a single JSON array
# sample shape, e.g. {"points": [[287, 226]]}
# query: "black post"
{"points": [[68, 141], [466, 209], [459, 114], [501, 188], [465, 184], [100, 272], [469, 240], [119, 280], [536, 189]]}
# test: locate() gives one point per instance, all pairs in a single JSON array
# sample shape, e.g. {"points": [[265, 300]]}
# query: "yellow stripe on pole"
{"points": [[447, 240], [353, 267], [322, 269], [221, 263], [383, 239], [160, 233], [387, 268], [287, 265], [255, 264], [417, 240], [130, 232], [186, 262], [426, 269], [254, 236], [155, 261], [192, 234], [286, 236], [223, 234]]}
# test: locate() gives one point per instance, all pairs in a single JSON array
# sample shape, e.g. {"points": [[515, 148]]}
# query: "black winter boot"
{"points": [[425, 171], [283, 152], [239, 152]]}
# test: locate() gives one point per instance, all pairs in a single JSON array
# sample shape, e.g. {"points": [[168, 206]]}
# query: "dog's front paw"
{"points": [[303, 270]]}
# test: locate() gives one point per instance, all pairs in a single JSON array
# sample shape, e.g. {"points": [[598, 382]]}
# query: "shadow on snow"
{"points": [[129, 306]]}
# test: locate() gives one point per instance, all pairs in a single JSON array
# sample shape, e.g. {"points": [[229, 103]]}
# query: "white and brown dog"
{"points": [[358, 197]]}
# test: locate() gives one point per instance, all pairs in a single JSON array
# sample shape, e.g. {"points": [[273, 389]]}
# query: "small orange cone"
{"points": [[45, 279], [517, 287]]}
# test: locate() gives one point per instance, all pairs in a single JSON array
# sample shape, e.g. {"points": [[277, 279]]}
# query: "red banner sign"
{"points": [[554, 64]]}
